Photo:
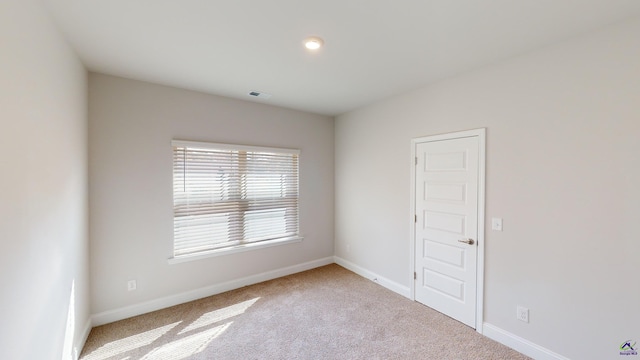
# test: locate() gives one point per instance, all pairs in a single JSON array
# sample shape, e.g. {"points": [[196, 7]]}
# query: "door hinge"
{"points": [[416, 160], [415, 218], [415, 276]]}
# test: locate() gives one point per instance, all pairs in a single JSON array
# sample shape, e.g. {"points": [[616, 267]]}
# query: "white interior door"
{"points": [[446, 227]]}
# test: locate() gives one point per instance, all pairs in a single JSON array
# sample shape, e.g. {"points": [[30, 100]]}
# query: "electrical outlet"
{"points": [[522, 314], [131, 285]]}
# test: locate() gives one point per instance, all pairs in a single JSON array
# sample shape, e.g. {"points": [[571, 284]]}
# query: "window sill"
{"points": [[233, 250]]}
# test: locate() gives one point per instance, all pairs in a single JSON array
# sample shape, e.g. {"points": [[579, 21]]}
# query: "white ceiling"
{"points": [[374, 48]]}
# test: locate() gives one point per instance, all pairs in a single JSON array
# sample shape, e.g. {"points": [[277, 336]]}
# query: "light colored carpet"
{"points": [[325, 313]]}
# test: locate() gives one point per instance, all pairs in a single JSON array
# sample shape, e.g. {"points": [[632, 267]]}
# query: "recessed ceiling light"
{"points": [[313, 43]]}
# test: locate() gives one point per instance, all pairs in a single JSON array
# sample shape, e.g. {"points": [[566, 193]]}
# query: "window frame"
{"points": [[243, 245]]}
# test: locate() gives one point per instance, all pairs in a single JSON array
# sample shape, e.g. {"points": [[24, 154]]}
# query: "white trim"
{"points": [[389, 284], [79, 345], [233, 249], [161, 303], [412, 221], [482, 163], [219, 146], [481, 134], [519, 344]]}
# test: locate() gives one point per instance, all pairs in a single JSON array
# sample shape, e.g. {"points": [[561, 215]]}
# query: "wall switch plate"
{"points": [[131, 285], [496, 224], [522, 313]]}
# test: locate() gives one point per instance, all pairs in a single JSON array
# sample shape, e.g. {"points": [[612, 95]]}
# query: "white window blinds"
{"points": [[229, 195]]}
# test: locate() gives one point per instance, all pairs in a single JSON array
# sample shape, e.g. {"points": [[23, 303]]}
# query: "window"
{"points": [[231, 197]]}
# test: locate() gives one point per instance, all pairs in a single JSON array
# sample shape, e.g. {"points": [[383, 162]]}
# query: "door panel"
{"points": [[447, 214], [446, 254]]}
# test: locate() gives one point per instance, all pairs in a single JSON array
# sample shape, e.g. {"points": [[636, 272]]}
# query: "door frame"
{"points": [[481, 135]]}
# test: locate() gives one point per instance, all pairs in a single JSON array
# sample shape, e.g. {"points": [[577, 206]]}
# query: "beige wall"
{"points": [[131, 127], [43, 188], [563, 130]]}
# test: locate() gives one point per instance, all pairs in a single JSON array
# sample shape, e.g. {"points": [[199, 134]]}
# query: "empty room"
{"points": [[319, 180]]}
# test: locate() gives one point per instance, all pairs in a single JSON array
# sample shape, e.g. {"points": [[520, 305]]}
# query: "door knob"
{"points": [[467, 241]]}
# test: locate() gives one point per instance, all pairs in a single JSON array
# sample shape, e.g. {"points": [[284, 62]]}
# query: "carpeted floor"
{"points": [[325, 313]]}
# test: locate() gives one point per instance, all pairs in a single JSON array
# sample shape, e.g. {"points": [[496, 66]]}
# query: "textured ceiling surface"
{"points": [[373, 48]]}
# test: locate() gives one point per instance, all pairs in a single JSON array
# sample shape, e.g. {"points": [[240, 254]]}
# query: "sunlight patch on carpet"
{"points": [[187, 346], [129, 343], [213, 317]]}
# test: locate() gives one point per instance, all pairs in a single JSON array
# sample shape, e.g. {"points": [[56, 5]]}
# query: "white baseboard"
{"points": [[391, 285], [520, 344], [157, 304], [79, 345]]}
